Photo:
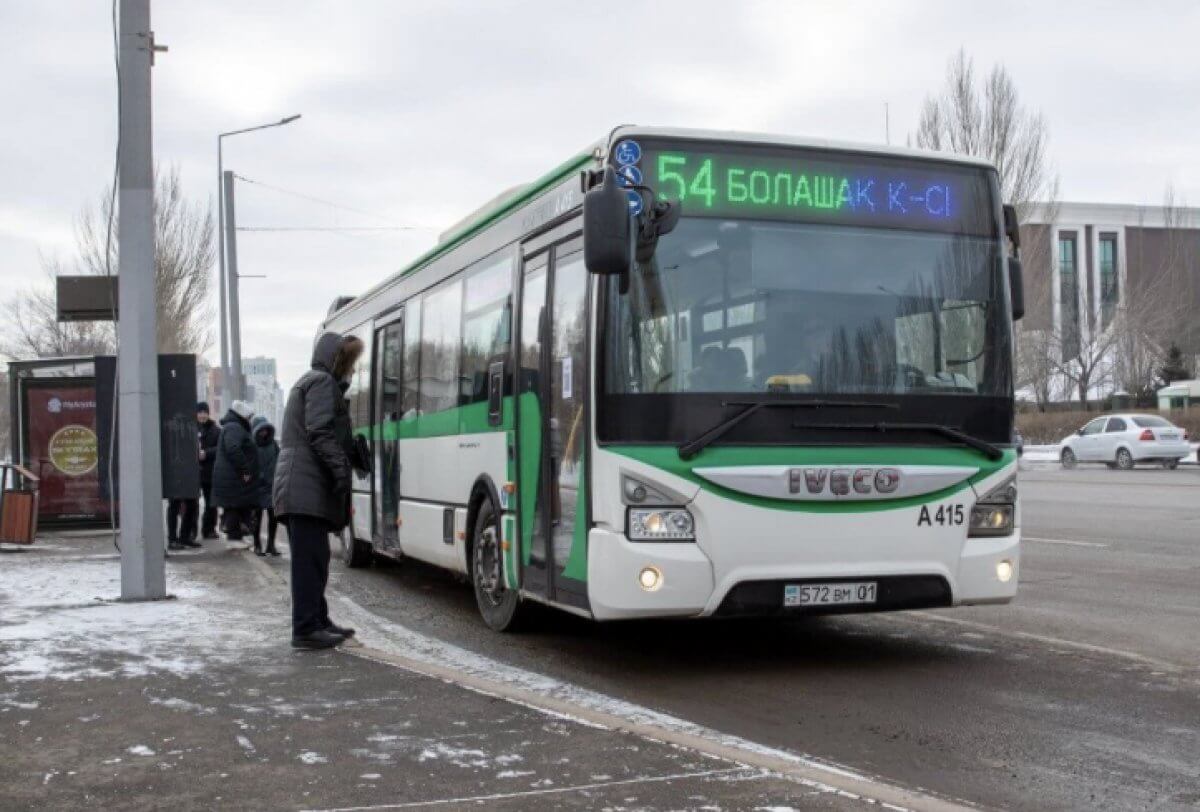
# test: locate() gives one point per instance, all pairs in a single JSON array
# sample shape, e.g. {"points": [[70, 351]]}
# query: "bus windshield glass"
{"points": [[801, 271], [752, 306]]}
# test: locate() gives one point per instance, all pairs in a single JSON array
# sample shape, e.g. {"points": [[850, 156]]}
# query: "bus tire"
{"points": [[355, 553], [499, 605]]}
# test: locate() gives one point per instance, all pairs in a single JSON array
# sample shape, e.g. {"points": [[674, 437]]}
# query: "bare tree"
{"points": [[1036, 370], [185, 251], [1084, 359], [1155, 313], [985, 119]]}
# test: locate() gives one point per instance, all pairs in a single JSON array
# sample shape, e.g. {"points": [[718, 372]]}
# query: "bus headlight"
{"points": [[993, 514], [661, 524]]}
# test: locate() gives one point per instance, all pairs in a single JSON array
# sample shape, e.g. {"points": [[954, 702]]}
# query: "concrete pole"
{"points": [[143, 575], [235, 317], [224, 328]]}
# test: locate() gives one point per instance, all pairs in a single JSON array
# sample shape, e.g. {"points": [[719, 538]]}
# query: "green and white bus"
{"points": [[750, 375]]}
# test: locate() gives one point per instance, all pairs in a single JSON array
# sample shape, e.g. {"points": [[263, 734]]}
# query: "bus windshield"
{"points": [[756, 306]]}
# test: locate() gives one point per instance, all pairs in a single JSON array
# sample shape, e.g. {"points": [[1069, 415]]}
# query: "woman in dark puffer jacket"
{"points": [[236, 485]]}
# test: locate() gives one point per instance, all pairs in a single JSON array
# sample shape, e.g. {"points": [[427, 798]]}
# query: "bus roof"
{"points": [[514, 198]]}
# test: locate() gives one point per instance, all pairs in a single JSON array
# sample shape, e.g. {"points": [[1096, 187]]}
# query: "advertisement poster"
{"points": [[63, 451]]}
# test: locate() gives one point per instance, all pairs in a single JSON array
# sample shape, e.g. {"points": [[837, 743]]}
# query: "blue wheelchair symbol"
{"points": [[629, 176], [635, 202], [628, 153]]}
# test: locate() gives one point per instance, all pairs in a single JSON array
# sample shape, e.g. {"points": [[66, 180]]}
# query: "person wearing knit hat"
{"points": [[236, 475]]}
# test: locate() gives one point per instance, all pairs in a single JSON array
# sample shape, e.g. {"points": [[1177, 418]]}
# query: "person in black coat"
{"points": [[209, 435], [236, 484], [311, 494], [268, 459]]}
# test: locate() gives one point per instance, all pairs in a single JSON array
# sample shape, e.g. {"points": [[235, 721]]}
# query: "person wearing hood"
{"points": [[268, 457], [236, 477], [311, 494]]}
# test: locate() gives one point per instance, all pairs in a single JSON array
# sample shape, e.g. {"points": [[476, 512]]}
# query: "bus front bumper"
{"points": [[986, 571]]}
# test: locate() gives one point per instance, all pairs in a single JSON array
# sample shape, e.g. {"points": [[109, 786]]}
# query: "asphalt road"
{"points": [[1085, 693]]}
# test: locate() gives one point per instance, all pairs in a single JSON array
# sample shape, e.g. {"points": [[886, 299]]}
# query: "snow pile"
{"points": [[59, 619]]}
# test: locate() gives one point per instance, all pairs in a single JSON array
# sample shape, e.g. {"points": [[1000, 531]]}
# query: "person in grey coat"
{"points": [[311, 493], [268, 458], [236, 485]]}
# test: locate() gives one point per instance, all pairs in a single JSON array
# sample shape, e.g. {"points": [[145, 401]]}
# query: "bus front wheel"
{"points": [[499, 605]]}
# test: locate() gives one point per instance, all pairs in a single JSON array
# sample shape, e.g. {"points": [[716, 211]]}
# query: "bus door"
{"points": [[551, 424], [389, 346]]}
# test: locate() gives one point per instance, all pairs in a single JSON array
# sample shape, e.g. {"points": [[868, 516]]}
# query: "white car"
{"points": [[1124, 440]]}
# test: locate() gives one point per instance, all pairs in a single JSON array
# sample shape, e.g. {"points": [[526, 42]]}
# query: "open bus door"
{"points": [[552, 391]]}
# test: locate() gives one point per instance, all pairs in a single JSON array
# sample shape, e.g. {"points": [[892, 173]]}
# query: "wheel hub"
{"points": [[487, 565]]}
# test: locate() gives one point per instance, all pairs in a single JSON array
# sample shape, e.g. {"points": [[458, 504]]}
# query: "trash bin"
{"points": [[18, 505]]}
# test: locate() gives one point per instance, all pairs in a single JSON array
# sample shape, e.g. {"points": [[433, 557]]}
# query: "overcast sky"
{"points": [[416, 112]]}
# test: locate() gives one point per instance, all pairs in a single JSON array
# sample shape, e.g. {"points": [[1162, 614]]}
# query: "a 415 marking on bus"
{"points": [[944, 516]]}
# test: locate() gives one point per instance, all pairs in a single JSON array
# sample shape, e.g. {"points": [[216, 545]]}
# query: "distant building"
{"points": [[1083, 262], [262, 387]]}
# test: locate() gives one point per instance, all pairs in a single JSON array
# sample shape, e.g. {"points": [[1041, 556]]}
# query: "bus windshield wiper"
{"points": [[693, 447], [982, 446]]}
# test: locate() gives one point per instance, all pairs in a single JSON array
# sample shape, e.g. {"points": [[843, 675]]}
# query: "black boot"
{"points": [[322, 638], [344, 631]]}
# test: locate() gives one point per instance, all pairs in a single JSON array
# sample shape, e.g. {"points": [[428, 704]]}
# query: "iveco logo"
{"points": [[841, 481], [836, 483]]}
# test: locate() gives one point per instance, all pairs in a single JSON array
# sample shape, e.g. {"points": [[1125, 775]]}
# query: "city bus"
{"points": [[694, 374]]}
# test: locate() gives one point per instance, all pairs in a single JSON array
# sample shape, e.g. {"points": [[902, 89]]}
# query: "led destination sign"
{"points": [[809, 185]]}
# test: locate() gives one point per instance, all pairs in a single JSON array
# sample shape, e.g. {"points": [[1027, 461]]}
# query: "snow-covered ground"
{"points": [[60, 619]]}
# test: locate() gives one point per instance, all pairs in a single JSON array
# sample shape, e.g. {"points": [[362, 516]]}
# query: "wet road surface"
{"points": [[1085, 693]]}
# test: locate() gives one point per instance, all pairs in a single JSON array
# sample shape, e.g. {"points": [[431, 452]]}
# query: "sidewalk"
{"points": [[199, 703]]}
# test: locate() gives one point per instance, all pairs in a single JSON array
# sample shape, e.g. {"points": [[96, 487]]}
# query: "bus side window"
{"points": [[410, 391], [487, 312]]}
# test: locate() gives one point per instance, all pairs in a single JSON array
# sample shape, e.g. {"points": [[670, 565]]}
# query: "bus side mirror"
{"points": [[607, 227], [1012, 228], [1016, 288]]}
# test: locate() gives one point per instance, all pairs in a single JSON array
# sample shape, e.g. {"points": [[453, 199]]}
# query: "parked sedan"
{"points": [[1124, 440]]}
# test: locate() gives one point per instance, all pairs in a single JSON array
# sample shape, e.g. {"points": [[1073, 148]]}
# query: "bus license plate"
{"points": [[828, 594]]}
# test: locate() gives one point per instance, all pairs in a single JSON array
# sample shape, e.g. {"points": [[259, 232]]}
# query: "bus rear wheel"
{"points": [[499, 605]]}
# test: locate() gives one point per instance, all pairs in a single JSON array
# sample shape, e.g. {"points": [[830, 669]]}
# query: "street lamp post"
{"points": [[224, 329]]}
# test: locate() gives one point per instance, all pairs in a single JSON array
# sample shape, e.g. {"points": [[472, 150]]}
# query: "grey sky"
{"points": [[418, 112]]}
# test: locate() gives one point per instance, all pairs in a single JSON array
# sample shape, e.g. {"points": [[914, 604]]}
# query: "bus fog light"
{"points": [[650, 578], [1004, 571]]}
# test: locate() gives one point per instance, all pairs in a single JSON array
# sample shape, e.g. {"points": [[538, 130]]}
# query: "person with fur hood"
{"points": [[311, 493]]}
